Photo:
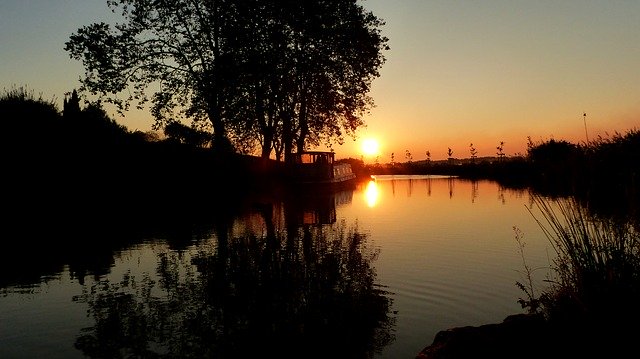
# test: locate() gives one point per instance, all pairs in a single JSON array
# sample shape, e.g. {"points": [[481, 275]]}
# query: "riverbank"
{"points": [[527, 336]]}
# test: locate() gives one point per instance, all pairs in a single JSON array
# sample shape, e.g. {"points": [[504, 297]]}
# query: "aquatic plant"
{"points": [[532, 302], [596, 272]]}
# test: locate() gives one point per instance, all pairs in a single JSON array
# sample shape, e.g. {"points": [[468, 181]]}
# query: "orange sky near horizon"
{"points": [[463, 72], [458, 72]]}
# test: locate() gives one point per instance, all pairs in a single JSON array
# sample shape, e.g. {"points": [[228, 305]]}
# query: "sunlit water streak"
{"points": [[448, 255]]}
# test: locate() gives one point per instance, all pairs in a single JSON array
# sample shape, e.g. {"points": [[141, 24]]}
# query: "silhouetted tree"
{"points": [[91, 126], [500, 149], [147, 136], [428, 156], [278, 74], [184, 134], [530, 144], [559, 153], [449, 152], [473, 151], [408, 155], [71, 106]]}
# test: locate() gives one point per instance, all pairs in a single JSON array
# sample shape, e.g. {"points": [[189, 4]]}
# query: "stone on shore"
{"points": [[518, 336]]}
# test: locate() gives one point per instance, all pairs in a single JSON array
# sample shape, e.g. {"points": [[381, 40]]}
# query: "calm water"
{"points": [[378, 270]]}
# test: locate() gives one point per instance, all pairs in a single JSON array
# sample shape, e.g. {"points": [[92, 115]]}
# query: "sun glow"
{"points": [[371, 194], [370, 147]]}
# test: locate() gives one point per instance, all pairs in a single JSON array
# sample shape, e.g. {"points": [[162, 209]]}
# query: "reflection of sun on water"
{"points": [[371, 193]]}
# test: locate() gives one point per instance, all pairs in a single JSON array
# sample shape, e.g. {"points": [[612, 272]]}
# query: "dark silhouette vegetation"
{"points": [[66, 173], [268, 77], [79, 186], [596, 271], [82, 147], [604, 173]]}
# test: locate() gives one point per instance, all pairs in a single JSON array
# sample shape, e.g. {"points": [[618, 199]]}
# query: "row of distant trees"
{"points": [[551, 158], [266, 76], [606, 169], [472, 151]]}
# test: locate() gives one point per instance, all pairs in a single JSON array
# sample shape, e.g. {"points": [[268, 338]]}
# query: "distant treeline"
{"points": [[604, 171]]}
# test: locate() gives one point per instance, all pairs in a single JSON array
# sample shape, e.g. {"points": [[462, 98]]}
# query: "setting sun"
{"points": [[370, 147]]}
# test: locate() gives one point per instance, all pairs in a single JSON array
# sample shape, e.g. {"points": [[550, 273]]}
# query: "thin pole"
{"points": [[584, 117]]}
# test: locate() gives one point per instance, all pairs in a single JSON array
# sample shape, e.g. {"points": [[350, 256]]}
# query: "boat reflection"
{"points": [[315, 207]]}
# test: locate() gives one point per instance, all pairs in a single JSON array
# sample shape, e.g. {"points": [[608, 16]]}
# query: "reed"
{"points": [[596, 272]]}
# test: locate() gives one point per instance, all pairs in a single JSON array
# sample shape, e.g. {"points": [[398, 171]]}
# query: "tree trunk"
{"points": [[304, 125], [263, 121], [266, 143], [287, 135]]}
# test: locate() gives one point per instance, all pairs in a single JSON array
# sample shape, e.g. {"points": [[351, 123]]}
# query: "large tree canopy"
{"points": [[279, 75]]}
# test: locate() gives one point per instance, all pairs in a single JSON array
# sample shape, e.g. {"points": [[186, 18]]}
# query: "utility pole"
{"points": [[584, 117]]}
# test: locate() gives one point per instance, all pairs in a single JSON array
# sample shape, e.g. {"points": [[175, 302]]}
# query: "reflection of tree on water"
{"points": [[501, 197], [311, 292], [474, 191]]}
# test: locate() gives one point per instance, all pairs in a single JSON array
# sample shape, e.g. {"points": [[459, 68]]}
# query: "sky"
{"points": [[457, 72]]}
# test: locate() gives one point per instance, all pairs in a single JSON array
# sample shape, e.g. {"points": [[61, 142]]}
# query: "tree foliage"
{"points": [[279, 75]]}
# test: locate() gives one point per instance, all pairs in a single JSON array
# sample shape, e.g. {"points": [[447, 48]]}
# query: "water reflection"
{"points": [[434, 186], [371, 194], [474, 191], [86, 238], [314, 207], [311, 292], [239, 277]]}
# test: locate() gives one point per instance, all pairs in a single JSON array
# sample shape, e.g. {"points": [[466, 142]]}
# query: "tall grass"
{"points": [[27, 119], [596, 272], [21, 96]]}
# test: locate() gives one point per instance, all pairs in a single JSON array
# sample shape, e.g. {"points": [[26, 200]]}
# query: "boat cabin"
{"points": [[320, 167]]}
